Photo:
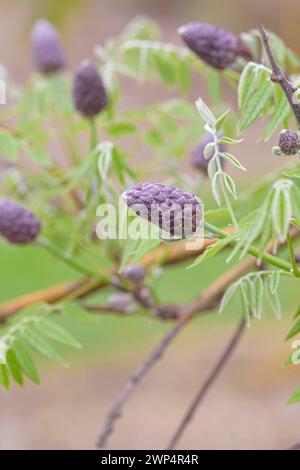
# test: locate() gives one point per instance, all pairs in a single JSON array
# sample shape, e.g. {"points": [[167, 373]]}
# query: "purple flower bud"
{"points": [[88, 90], [175, 211], [120, 302], [198, 159], [18, 224], [289, 142], [134, 273], [215, 46], [46, 47]]}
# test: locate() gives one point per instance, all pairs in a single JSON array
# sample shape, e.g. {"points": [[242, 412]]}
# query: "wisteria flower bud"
{"points": [[198, 159], [134, 273], [47, 51], [121, 302], [173, 210], [18, 224], [215, 46], [289, 142], [89, 94]]}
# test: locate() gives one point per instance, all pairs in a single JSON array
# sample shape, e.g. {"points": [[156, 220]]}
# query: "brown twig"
{"points": [[207, 384], [279, 77], [199, 305], [167, 254], [204, 301], [136, 377]]}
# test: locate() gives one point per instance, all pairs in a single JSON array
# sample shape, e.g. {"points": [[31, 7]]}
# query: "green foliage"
{"points": [[33, 329], [50, 167], [252, 289]]}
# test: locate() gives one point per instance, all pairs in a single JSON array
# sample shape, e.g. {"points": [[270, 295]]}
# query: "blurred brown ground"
{"points": [[244, 410], [246, 407]]}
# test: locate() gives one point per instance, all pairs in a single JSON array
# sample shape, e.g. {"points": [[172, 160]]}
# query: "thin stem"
{"points": [[279, 77], [207, 384], [137, 376], [229, 206], [55, 251], [93, 134], [267, 257], [292, 255]]}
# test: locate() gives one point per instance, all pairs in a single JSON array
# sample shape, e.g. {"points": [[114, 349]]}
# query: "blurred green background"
{"points": [[247, 407]]}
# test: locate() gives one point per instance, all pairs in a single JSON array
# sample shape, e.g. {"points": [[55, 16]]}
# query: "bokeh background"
{"points": [[246, 408]]}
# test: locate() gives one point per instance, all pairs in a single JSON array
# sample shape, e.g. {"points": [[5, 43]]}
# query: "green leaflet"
{"points": [[213, 250], [256, 104], [4, 376], [169, 62], [14, 367], [253, 288], [295, 398], [9, 146], [41, 345], [25, 361], [247, 84], [279, 114], [51, 329], [294, 331]]}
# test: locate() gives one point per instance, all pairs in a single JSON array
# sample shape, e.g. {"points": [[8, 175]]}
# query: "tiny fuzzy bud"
{"points": [[289, 142], [175, 211], [199, 159], [18, 224], [215, 46], [89, 94], [135, 273], [120, 302], [47, 51]]}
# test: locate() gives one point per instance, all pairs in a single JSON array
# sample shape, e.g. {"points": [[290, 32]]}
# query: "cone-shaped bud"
{"points": [[215, 46], [47, 51], [88, 90], [18, 224]]}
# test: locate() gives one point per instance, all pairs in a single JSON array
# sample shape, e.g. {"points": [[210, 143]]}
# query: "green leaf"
{"points": [[14, 367], [205, 113], [230, 185], [229, 141], [184, 75], [297, 314], [294, 331], [230, 291], [120, 128], [213, 85], [154, 138], [295, 398], [221, 120], [247, 84], [50, 328], [273, 299], [74, 312], [213, 250], [25, 361], [256, 104], [40, 344], [279, 114], [4, 376], [8, 146], [233, 160], [281, 212], [259, 295]]}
